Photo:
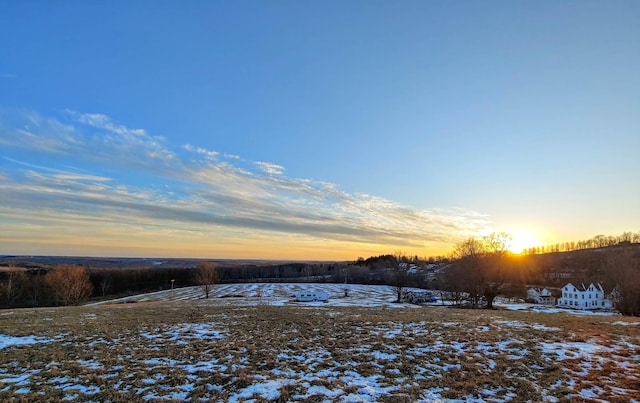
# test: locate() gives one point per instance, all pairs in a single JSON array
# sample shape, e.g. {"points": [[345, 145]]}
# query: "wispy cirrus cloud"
{"points": [[93, 138], [270, 168], [135, 180], [202, 151], [73, 174], [101, 121]]}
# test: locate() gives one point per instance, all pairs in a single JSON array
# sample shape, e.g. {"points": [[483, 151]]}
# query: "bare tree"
{"points": [[34, 287], [11, 289], [493, 281], [69, 284], [471, 249], [206, 276], [454, 283], [105, 283], [478, 271], [464, 279], [399, 279], [397, 274]]}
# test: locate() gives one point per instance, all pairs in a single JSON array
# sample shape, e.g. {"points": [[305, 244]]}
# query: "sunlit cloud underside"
{"points": [[84, 184]]}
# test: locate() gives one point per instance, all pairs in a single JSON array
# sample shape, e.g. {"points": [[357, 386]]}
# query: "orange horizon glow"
{"points": [[277, 248], [116, 243], [523, 239]]}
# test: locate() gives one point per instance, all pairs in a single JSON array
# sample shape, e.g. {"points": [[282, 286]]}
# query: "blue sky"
{"points": [[314, 129]]}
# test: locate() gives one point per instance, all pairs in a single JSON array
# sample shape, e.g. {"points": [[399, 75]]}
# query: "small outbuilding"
{"points": [[541, 296], [312, 296]]}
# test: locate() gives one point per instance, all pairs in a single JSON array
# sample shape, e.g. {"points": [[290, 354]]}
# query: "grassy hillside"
{"points": [[191, 350]]}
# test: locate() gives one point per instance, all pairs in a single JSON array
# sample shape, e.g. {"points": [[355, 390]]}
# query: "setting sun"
{"points": [[522, 239]]}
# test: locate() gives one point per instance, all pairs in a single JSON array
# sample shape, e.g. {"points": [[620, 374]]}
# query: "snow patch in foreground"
{"points": [[8, 341], [621, 323]]}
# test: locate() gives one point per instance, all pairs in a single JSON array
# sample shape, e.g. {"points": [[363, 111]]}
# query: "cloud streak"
{"points": [[136, 180], [201, 151], [270, 168]]}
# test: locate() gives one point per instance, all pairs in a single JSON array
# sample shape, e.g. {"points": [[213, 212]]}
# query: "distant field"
{"points": [[196, 350], [9, 268], [122, 262], [276, 294]]}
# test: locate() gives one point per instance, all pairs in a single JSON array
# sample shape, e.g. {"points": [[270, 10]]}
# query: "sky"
{"points": [[323, 130]]}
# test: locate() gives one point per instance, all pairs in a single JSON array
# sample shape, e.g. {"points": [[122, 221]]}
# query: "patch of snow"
{"points": [[529, 325], [86, 390], [90, 364], [8, 341], [432, 395], [18, 379], [568, 350], [269, 390], [203, 366], [319, 390], [521, 306], [383, 356], [588, 393]]}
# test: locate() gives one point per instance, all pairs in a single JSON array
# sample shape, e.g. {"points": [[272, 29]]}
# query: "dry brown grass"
{"points": [[127, 352]]}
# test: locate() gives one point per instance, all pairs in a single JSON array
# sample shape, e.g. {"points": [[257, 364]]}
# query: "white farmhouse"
{"points": [[543, 296], [591, 297]]}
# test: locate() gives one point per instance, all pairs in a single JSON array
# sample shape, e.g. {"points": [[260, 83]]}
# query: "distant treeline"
{"points": [[26, 286], [598, 241]]}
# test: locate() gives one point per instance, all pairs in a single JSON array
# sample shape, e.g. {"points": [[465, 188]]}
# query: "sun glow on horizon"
{"points": [[522, 239]]}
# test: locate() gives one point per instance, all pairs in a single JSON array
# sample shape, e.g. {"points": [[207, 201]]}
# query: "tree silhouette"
{"points": [[478, 268], [206, 276], [69, 284]]}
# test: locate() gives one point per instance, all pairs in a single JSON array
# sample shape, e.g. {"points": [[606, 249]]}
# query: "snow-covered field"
{"points": [[277, 294], [524, 306], [281, 294], [252, 343]]}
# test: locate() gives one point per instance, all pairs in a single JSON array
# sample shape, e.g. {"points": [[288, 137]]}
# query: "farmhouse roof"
{"points": [[596, 286]]}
